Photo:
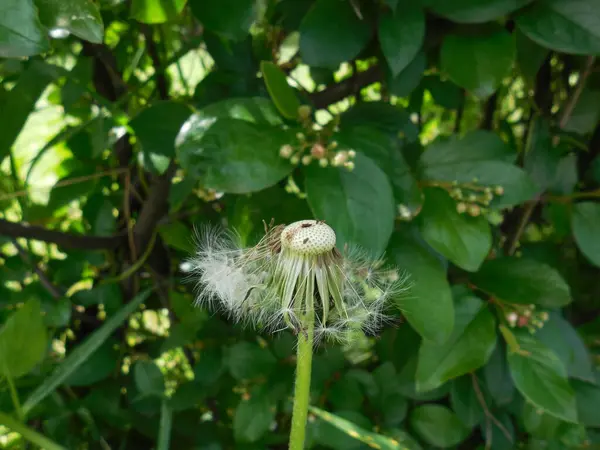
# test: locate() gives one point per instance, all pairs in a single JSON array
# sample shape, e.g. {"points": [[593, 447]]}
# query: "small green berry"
{"points": [[323, 162], [461, 207], [304, 112], [306, 159], [295, 159], [474, 210]]}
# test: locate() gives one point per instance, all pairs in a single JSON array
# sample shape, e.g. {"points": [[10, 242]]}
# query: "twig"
{"points": [[489, 416], [574, 98], [527, 212], [63, 239], [336, 92], [68, 182], [564, 118], [54, 291]]}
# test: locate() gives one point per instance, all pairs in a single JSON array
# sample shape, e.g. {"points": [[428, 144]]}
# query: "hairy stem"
{"points": [[302, 390]]}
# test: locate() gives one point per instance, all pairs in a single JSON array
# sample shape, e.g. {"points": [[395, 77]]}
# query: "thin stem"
{"points": [[302, 390]]}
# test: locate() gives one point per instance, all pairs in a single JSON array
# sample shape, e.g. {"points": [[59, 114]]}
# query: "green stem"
{"points": [[302, 390], [29, 434]]}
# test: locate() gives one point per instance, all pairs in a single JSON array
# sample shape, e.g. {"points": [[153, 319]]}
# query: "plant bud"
{"points": [[306, 159], [499, 190], [351, 153], [295, 159], [286, 151], [474, 210], [461, 207], [323, 162], [512, 318], [304, 112], [332, 145], [349, 165], [318, 151], [340, 158], [300, 136]]}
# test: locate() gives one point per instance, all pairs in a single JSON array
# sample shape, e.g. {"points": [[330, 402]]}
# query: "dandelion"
{"points": [[295, 278]]}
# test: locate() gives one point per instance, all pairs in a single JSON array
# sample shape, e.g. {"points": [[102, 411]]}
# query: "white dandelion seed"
{"points": [[295, 272]]}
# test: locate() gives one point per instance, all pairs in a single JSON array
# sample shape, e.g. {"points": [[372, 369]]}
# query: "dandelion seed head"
{"points": [[293, 273], [309, 237]]}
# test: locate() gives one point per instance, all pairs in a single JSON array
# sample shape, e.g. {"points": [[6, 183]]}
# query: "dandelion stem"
{"points": [[302, 390]]}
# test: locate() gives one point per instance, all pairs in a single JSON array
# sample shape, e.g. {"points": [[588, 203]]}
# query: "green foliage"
{"points": [[456, 139]]}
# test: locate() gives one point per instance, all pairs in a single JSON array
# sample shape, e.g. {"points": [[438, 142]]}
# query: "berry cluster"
{"points": [[525, 316], [315, 145], [472, 198]]}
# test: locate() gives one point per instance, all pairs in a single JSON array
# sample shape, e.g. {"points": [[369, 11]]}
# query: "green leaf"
{"points": [[282, 94], [464, 240], [543, 161], [524, 281], [346, 394], [372, 439], [177, 235], [98, 366], [588, 399], [409, 78], [79, 17], [82, 352], [251, 109], [530, 57], [156, 11], [325, 42], [21, 33], [464, 401], [232, 155], [188, 396], [585, 222], [156, 128], [469, 346], [437, 425], [358, 204], [23, 340], [230, 19], [401, 36], [428, 307], [253, 418], [542, 379], [539, 424], [569, 27], [485, 74], [148, 378], [384, 149], [586, 114], [497, 377], [560, 336], [20, 101], [475, 11], [475, 146], [247, 361]]}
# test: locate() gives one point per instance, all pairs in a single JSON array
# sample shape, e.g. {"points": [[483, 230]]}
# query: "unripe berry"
{"points": [[295, 159], [351, 153], [499, 190], [461, 207], [286, 151], [474, 210], [323, 162], [306, 159], [349, 165], [304, 112]]}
